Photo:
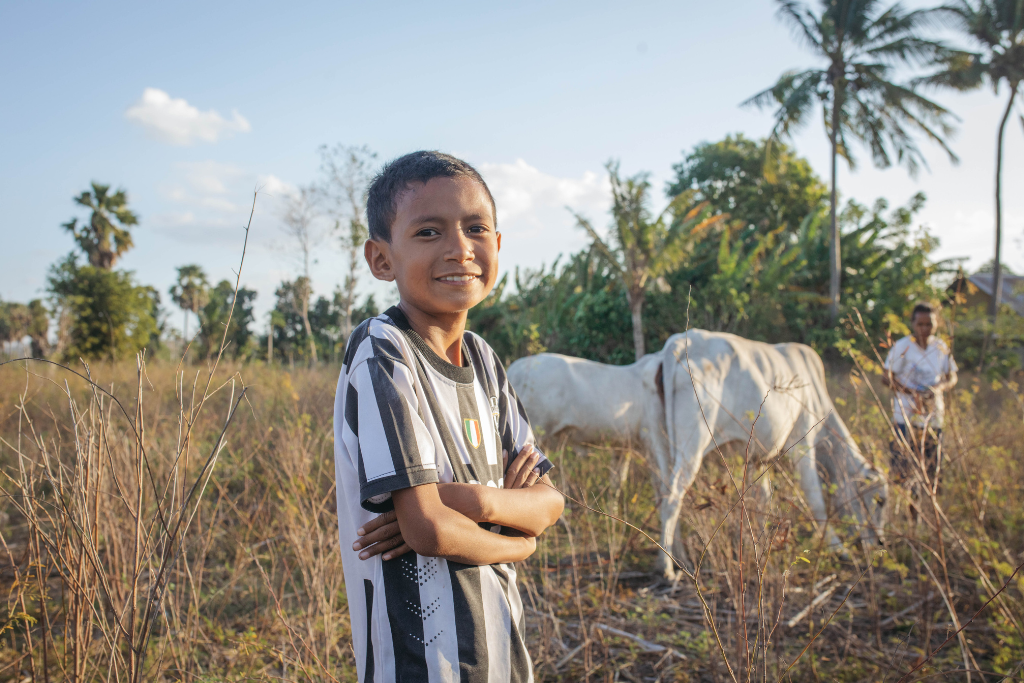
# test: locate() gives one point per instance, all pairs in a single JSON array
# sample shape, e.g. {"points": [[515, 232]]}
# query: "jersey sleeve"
{"points": [[513, 423], [394, 449]]}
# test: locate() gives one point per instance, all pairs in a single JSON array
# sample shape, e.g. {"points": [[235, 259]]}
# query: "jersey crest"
{"points": [[473, 435]]}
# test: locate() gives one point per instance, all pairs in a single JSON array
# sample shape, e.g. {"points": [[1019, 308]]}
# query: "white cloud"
{"points": [[273, 189], [175, 121], [535, 224], [211, 199]]}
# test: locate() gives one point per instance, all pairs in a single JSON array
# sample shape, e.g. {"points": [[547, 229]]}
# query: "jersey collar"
{"points": [[463, 375]]}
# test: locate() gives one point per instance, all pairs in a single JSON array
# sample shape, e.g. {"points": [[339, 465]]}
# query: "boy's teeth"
{"points": [[459, 278]]}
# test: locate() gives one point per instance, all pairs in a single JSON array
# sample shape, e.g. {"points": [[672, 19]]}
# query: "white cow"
{"points": [[654, 403]]}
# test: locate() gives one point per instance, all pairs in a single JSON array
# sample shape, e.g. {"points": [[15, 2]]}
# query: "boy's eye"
{"points": [[477, 229], [427, 232]]}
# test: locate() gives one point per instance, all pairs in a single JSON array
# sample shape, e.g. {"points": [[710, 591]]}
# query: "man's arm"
{"points": [[889, 380], [948, 383]]}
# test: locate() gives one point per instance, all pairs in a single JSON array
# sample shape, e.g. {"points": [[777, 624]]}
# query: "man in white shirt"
{"points": [[919, 368]]}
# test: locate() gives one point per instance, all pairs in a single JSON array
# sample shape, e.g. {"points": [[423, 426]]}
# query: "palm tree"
{"points": [[101, 240], [644, 249], [190, 292], [996, 29], [860, 42]]}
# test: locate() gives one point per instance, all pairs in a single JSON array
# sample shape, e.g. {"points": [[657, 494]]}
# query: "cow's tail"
{"points": [[673, 362]]}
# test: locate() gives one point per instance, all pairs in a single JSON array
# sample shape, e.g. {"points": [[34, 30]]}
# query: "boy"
{"points": [[434, 456], [919, 369]]}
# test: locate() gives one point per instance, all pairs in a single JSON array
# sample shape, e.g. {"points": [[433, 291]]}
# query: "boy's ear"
{"points": [[378, 257]]}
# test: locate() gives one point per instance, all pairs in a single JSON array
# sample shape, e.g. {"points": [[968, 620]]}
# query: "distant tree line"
{"points": [[733, 251], [93, 310], [740, 255]]}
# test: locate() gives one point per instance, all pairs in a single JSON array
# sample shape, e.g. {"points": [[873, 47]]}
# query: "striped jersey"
{"points": [[404, 416]]}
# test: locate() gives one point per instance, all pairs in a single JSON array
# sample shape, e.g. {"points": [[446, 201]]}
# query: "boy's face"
{"points": [[923, 326], [443, 253]]}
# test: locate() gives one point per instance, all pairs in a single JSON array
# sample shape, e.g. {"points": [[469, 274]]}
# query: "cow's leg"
{"points": [[685, 463], [618, 475], [760, 488], [807, 469], [671, 505]]}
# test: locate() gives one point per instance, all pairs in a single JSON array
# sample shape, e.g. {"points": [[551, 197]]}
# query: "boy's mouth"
{"points": [[458, 278]]}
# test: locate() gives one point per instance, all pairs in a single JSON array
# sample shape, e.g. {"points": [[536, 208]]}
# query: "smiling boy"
{"points": [[434, 455]]}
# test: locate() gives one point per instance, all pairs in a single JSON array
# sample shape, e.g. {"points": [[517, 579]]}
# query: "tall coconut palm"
{"points": [[644, 248], [106, 237], [996, 29], [191, 291], [859, 43]]}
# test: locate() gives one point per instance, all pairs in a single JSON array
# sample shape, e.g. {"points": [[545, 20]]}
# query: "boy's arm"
{"points": [[528, 506], [527, 503], [432, 529], [385, 534]]}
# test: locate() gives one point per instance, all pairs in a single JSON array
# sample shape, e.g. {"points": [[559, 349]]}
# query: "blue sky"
{"points": [[538, 95]]}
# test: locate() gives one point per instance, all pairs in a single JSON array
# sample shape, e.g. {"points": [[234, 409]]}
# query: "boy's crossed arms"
{"points": [[442, 520]]}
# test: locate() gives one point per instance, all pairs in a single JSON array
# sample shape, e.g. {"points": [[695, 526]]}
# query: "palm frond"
{"points": [[895, 23], [910, 49], [599, 243], [960, 71], [804, 24]]}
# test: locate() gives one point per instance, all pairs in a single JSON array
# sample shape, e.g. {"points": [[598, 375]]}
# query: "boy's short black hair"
{"points": [[394, 179], [922, 308]]}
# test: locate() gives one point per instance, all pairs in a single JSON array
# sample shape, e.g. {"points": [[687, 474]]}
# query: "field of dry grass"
{"points": [[186, 531]]}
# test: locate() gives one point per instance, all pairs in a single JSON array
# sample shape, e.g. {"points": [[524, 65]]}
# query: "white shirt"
{"points": [[913, 367]]}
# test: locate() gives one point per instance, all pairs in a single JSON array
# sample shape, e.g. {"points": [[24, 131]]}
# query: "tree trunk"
{"points": [[270, 345], [350, 297], [305, 324], [309, 335], [636, 306], [997, 267], [834, 252]]}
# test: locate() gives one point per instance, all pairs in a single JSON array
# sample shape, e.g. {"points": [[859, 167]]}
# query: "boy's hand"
{"points": [[381, 535], [523, 472]]}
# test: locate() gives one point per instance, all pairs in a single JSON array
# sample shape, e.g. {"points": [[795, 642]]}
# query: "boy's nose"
{"points": [[460, 248]]}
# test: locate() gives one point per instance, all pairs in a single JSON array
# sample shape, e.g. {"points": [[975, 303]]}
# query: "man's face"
{"points": [[924, 326], [443, 253]]}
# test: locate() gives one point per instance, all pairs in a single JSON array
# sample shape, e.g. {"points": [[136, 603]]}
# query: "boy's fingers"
{"points": [[511, 469], [525, 470], [534, 476], [397, 552], [376, 536], [388, 517], [504, 460], [514, 474], [382, 547]]}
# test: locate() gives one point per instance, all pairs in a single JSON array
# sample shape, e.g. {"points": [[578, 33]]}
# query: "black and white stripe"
{"points": [[401, 417]]}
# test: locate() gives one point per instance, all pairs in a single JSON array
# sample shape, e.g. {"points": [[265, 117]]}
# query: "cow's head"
{"points": [[863, 488]]}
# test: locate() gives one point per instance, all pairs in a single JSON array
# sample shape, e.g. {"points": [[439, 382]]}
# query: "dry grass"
{"points": [[118, 563]]}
